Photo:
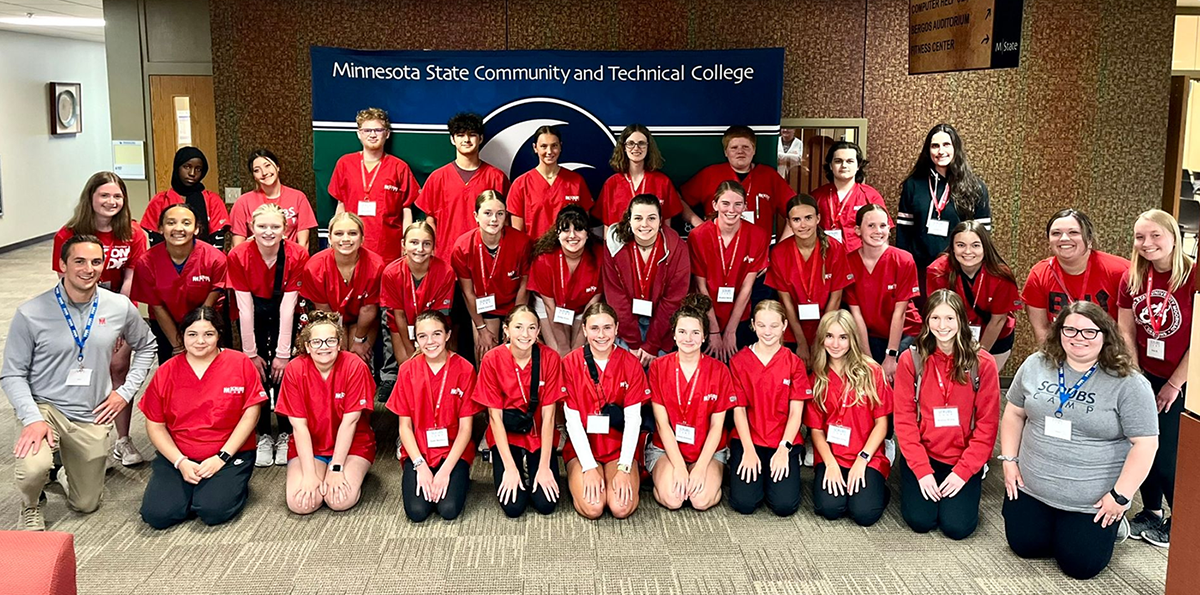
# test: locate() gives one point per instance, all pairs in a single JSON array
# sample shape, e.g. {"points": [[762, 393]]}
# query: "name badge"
{"points": [[564, 316], [366, 208], [945, 417], [485, 304], [597, 424], [79, 377], [439, 438], [748, 216], [976, 332], [938, 227], [834, 233], [808, 311], [412, 333], [685, 434], [643, 307], [839, 435], [1156, 348], [1058, 428], [725, 295]]}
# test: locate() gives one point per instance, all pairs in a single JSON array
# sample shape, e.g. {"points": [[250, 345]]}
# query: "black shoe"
{"points": [[1142, 522], [384, 391], [1160, 537]]}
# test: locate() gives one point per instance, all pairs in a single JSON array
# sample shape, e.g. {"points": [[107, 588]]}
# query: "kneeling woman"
{"points": [[434, 399], [200, 410], [606, 389], [947, 417], [690, 393], [327, 395], [519, 383], [847, 424]]}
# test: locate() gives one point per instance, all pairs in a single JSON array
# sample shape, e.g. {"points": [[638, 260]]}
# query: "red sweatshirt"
{"points": [[669, 285]]}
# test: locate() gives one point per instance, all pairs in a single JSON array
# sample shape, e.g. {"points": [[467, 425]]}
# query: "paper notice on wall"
{"points": [[183, 122], [129, 160]]}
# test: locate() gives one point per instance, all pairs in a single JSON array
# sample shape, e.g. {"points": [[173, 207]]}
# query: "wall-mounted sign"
{"points": [[949, 35]]}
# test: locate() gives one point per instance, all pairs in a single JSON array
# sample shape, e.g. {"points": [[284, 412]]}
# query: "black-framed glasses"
{"points": [[641, 144], [1071, 332], [319, 343]]}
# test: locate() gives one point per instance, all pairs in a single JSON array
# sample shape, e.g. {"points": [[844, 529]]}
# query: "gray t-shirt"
{"points": [[1106, 412]]}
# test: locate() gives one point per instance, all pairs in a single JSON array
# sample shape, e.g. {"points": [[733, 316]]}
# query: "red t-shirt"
{"points": [[993, 295], [324, 402], [295, 205], [619, 190], [767, 393], [549, 276], [118, 254], [859, 418], [724, 265], [435, 401], [538, 203], [386, 190], [500, 275], [218, 215], [840, 215], [398, 291], [1174, 313], [622, 381], [201, 413], [692, 402], [877, 292], [808, 281], [247, 271], [503, 385], [323, 282], [1050, 288], [156, 281], [452, 203], [767, 193]]}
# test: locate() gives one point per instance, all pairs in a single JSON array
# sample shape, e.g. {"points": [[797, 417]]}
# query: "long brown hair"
{"points": [[858, 374], [620, 161], [1114, 357], [966, 189], [992, 261], [83, 222], [966, 349]]}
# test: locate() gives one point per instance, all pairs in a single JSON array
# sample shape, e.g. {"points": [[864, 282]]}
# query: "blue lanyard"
{"points": [[1065, 395], [87, 330]]}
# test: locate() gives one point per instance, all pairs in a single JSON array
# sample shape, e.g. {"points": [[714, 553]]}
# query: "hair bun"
{"points": [[697, 302]]}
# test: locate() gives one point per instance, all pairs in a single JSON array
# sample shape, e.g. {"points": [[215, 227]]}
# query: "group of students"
{"points": [[697, 359]]}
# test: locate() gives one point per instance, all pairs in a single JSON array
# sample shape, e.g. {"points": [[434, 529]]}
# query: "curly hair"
{"points": [[315, 319], [694, 305], [372, 113], [570, 216], [1114, 356]]}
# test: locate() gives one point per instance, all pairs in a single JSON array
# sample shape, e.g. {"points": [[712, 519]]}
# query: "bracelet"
{"points": [[181, 459], [1005, 459], [480, 327], [360, 340], [1178, 388]]}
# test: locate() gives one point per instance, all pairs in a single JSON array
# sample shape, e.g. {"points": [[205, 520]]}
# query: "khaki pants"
{"points": [[83, 448]]}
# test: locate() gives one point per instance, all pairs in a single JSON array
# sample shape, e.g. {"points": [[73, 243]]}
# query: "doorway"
{"points": [[182, 113]]}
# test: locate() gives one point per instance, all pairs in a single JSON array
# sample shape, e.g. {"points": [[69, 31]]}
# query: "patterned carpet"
{"points": [[375, 549]]}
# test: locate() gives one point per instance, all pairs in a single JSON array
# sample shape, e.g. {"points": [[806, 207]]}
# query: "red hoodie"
{"points": [[667, 289]]}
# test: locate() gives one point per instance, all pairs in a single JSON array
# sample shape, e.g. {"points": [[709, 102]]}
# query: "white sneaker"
{"points": [[61, 478], [264, 454], [281, 449], [125, 453], [808, 457], [399, 449], [32, 519], [889, 450]]}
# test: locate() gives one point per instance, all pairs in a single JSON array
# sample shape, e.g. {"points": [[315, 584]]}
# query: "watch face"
{"points": [[68, 108]]}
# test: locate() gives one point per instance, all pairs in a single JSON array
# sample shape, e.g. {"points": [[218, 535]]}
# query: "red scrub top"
{"points": [[993, 295], [619, 190], [724, 265], [502, 385], [118, 254], [877, 293], [436, 291], [218, 215], [247, 271], [549, 276], [391, 186], [808, 281], [452, 203], [323, 282], [840, 214], [156, 281], [767, 393], [692, 402], [500, 275], [859, 418], [622, 381], [324, 402], [435, 401], [767, 193], [1050, 288], [295, 206], [538, 203], [201, 413], [1174, 318]]}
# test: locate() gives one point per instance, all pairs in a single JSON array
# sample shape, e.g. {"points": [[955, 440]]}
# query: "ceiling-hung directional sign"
{"points": [[949, 35]]}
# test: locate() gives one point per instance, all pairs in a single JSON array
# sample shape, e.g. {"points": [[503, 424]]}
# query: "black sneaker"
{"points": [[384, 390], [1142, 522], [1160, 536]]}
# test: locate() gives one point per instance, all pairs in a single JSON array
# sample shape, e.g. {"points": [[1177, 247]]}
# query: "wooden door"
{"points": [[182, 113]]}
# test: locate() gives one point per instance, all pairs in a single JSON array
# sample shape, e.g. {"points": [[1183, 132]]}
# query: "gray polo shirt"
{"points": [[40, 352]]}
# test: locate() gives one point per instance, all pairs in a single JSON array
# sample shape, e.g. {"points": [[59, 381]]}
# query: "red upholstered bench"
{"points": [[33, 563]]}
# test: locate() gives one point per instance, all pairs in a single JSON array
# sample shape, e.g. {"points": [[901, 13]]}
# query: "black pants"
{"points": [[957, 517], [782, 497], [169, 500], [1081, 547], [878, 346], [527, 464], [417, 508], [865, 507], [266, 337], [1161, 481]]}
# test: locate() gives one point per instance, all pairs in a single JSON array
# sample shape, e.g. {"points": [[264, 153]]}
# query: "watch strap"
{"points": [[1122, 500], [224, 456], [335, 468]]}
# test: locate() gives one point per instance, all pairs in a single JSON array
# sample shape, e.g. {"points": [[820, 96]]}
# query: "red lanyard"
{"points": [[937, 371], [564, 273], [841, 416], [633, 190], [412, 286], [645, 281], [437, 408], [737, 239], [816, 273], [939, 204], [692, 393], [367, 186], [521, 387], [1155, 319], [349, 289], [1057, 271], [495, 262], [842, 202]]}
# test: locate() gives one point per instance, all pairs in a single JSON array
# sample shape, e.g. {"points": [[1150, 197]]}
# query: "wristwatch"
{"points": [[863, 454], [360, 340], [786, 444], [623, 468], [893, 352], [224, 456], [417, 462], [335, 468], [1122, 500], [1005, 459]]}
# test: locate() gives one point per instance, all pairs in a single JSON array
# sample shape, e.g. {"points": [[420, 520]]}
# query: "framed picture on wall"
{"points": [[803, 143], [66, 113]]}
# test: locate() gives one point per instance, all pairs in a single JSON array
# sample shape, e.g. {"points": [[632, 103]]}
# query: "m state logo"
{"points": [[201, 279], [1163, 307], [339, 395]]}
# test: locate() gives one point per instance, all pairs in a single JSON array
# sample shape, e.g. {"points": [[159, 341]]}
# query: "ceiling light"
{"points": [[41, 21]]}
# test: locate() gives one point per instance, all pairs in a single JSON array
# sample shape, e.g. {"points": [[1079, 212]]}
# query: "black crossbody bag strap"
{"points": [[280, 265], [535, 379], [969, 294], [918, 372]]}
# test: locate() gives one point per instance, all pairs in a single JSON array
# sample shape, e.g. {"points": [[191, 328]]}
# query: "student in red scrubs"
{"points": [[690, 393], [434, 397], [840, 199], [187, 171], [539, 194], [766, 449], [885, 283], [727, 257], [766, 191], [200, 410], [847, 422], [451, 190], [606, 388], [416, 283], [645, 272], [974, 269], [344, 278], [176, 277], [376, 186], [492, 264], [810, 272], [264, 166], [266, 292], [1075, 271], [520, 384], [328, 395], [103, 211], [565, 275], [638, 162], [947, 418]]}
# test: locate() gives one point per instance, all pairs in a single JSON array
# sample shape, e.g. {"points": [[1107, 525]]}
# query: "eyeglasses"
{"points": [[319, 343], [636, 145], [1071, 332], [371, 131]]}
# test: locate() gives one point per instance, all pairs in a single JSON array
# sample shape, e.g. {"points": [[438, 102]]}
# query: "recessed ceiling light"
{"points": [[34, 20]]}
